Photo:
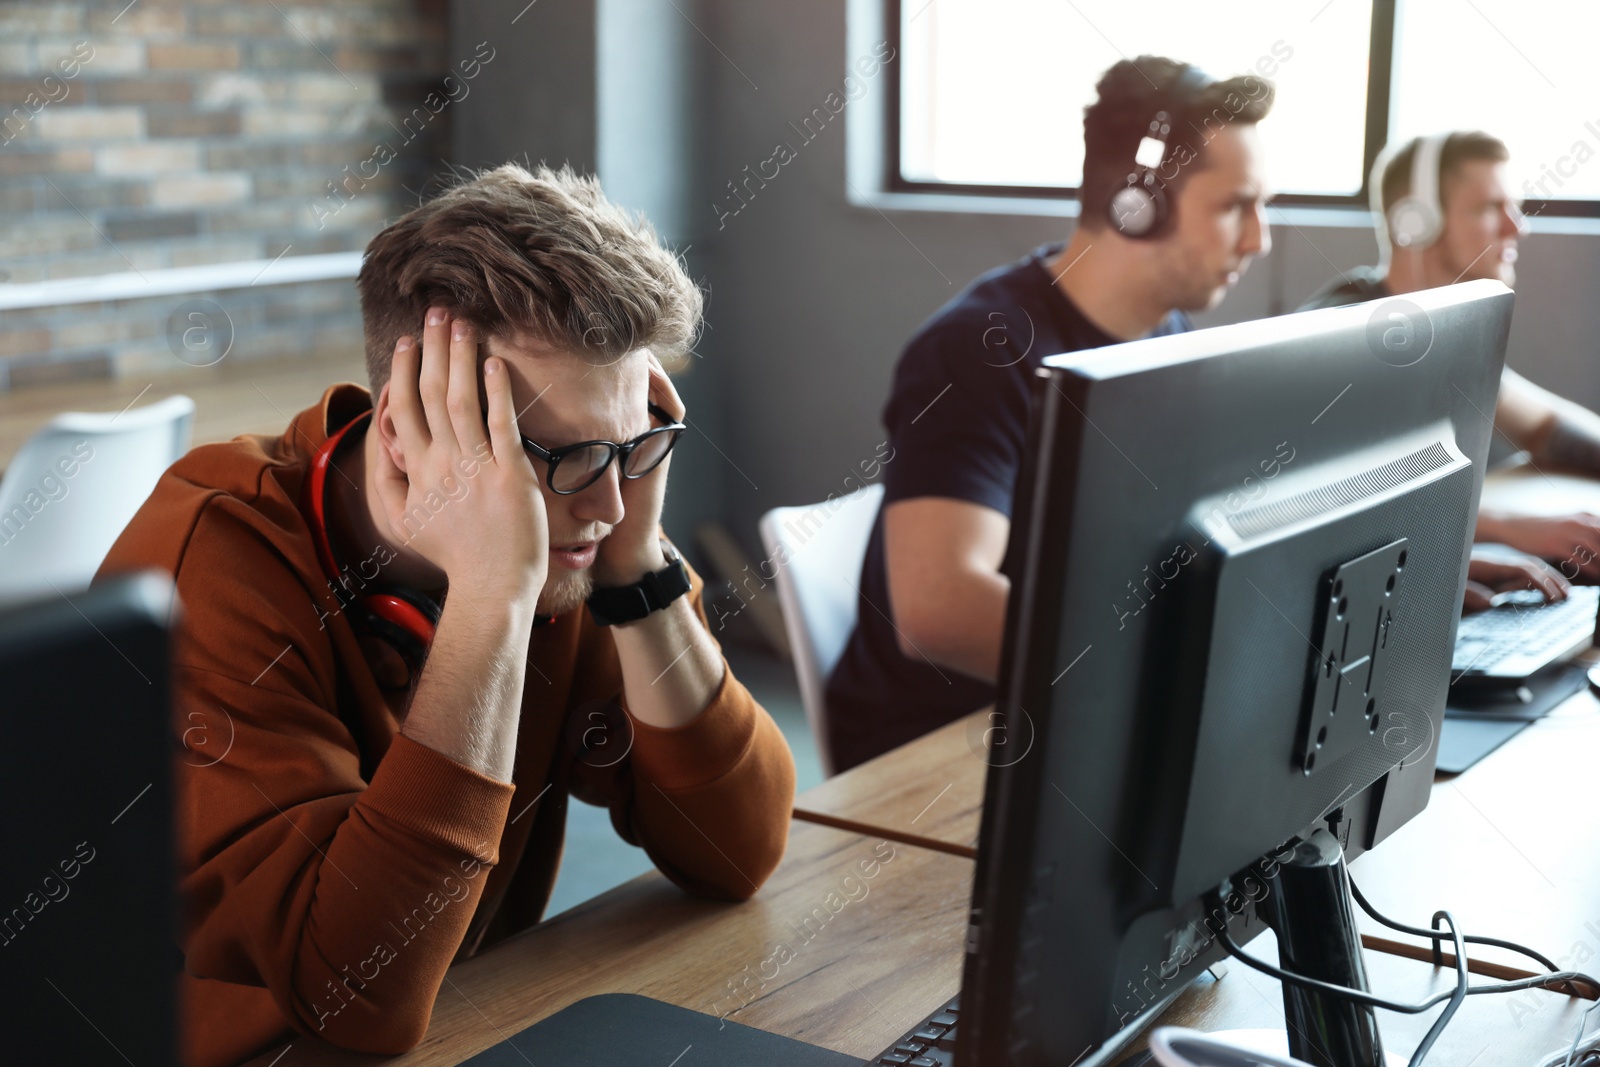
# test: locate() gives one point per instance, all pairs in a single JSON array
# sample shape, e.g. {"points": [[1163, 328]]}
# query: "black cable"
{"points": [[1554, 981], [1590, 1058], [1456, 1000], [1435, 936], [1360, 996]]}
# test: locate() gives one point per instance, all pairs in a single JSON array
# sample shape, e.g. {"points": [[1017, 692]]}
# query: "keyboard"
{"points": [[930, 1044], [1507, 643]]}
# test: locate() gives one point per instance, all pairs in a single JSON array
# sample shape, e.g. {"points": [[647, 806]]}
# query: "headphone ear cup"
{"points": [[404, 620], [1139, 209], [426, 606], [1413, 223]]}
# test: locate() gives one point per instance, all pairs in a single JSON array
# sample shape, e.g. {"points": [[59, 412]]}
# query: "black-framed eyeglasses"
{"points": [[574, 468]]}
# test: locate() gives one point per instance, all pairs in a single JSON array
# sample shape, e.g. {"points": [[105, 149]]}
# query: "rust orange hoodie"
{"points": [[331, 868]]}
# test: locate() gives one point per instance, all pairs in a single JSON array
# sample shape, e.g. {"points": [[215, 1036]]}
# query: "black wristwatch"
{"points": [[630, 603]]}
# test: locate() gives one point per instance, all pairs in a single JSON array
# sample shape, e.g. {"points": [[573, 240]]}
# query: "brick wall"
{"points": [[175, 133]]}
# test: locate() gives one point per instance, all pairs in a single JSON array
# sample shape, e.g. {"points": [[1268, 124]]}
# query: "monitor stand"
{"points": [[1309, 907]]}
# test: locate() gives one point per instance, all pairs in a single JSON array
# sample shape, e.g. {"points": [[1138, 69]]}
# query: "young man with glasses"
{"points": [[424, 616]]}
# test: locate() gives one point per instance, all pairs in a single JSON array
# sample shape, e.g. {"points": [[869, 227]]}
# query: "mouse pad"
{"points": [[1477, 725], [625, 1030]]}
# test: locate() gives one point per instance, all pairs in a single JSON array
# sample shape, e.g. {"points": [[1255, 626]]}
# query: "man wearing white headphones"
{"points": [[1444, 213], [1173, 211]]}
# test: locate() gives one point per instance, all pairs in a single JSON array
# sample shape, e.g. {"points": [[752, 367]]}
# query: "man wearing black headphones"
{"points": [[1444, 213], [1172, 213]]}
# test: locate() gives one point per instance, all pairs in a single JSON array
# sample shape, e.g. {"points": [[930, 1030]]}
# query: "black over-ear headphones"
{"points": [[1141, 208]]}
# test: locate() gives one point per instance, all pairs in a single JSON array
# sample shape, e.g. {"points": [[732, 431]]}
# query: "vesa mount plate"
{"points": [[1361, 599]]}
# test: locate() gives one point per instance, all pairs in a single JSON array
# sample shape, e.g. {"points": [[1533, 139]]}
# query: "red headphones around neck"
{"points": [[395, 625]]}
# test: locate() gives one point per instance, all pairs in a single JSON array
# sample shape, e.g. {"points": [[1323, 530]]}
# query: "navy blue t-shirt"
{"points": [[958, 422]]}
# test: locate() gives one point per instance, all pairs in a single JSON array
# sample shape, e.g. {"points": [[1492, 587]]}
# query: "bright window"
{"points": [[991, 92], [1532, 82], [994, 90]]}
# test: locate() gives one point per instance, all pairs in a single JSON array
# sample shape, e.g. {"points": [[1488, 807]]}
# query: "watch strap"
{"points": [[630, 603]]}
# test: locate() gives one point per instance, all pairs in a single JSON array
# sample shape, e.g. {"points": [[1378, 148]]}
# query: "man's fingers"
{"points": [[433, 383], [1507, 574], [503, 435], [463, 401], [405, 407], [1547, 581], [663, 392]]}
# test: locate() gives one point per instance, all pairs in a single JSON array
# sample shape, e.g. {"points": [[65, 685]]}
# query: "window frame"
{"points": [[1380, 72]]}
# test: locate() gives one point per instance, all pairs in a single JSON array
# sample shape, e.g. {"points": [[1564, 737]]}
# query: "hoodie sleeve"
{"points": [[345, 894], [709, 801]]}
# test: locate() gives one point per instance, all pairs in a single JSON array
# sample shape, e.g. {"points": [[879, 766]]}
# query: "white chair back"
{"points": [[817, 550], [74, 485]]}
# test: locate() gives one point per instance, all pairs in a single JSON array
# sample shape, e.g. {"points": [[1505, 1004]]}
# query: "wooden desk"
{"points": [[863, 978], [1484, 1032], [1509, 847], [1532, 491], [858, 981], [231, 398], [927, 793]]}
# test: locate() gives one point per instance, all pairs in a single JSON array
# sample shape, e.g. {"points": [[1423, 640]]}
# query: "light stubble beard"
{"points": [[565, 593]]}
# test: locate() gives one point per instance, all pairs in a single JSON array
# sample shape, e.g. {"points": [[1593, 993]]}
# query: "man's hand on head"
{"points": [[460, 494], [633, 548]]}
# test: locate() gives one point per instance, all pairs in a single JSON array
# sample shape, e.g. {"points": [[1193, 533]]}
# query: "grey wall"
{"points": [[651, 148], [537, 99], [610, 87], [812, 296]]}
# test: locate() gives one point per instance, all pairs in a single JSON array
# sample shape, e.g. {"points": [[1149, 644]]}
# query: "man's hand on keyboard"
{"points": [[1571, 542], [1492, 571]]}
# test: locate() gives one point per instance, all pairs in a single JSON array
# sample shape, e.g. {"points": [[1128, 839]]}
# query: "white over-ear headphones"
{"points": [[1416, 220], [1142, 208]]}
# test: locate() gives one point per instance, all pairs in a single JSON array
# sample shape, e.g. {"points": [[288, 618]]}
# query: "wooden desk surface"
{"points": [[1500, 1030], [1509, 847], [1528, 489], [231, 398], [859, 979], [927, 793]]}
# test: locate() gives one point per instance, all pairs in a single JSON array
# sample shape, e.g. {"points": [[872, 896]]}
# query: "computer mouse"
{"points": [[1594, 679]]}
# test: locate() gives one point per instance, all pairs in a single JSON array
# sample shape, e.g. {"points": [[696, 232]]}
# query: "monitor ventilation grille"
{"points": [[1419, 464]]}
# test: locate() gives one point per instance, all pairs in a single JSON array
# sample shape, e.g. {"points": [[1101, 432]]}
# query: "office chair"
{"points": [[74, 485], [822, 546]]}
